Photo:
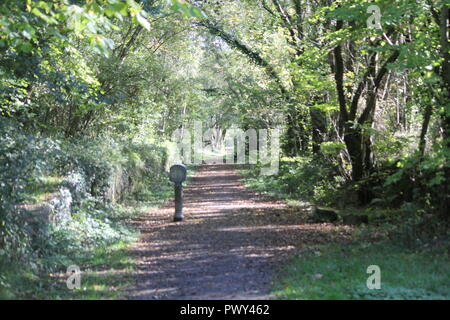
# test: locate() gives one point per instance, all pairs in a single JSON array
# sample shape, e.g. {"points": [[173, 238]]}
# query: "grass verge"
{"points": [[97, 241], [410, 268], [336, 272]]}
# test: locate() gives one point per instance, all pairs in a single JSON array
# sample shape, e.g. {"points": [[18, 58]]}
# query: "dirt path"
{"points": [[229, 246]]}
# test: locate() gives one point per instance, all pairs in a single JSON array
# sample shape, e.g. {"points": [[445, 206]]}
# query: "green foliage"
{"points": [[389, 147], [331, 148], [59, 247], [417, 179], [340, 273], [22, 158], [301, 178], [90, 91], [89, 229], [23, 25], [97, 172], [53, 58]]}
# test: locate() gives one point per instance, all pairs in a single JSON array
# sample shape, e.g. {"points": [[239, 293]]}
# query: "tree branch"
{"points": [[254, 56]]}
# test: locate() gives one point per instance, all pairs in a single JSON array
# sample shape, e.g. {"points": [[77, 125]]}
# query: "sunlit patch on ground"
{"points": [[230, 245]]}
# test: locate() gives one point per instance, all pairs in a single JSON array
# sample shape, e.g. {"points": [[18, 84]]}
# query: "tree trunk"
{"points": [[424, 131], [291, 147], [445, 73], [353, 139], [318, 128]]}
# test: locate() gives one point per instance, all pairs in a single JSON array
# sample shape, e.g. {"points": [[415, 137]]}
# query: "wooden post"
{"points": [[177, 175], [178, 202]]}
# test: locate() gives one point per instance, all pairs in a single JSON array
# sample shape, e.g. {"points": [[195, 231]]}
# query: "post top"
{"points": [[178, 173]]}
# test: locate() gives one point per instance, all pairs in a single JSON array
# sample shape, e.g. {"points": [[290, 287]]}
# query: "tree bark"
{"points": [[445, 73]]}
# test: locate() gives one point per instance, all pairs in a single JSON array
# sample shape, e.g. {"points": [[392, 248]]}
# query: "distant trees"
{"points": [[344, 82], [63, 68], [368, 98]]}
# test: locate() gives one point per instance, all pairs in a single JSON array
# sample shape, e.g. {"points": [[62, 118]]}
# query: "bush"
{"points": [[97, 172], [111, 170], [413, 179], [23, 158], [305, 178], [310, 178]]}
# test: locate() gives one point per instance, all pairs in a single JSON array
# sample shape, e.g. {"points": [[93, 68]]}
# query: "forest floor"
{"points": [[231, 244]]}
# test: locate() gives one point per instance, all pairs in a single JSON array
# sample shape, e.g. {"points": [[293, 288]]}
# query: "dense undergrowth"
{"points": [[110, 182], [405, 235], [302, 178], [404, 203]]}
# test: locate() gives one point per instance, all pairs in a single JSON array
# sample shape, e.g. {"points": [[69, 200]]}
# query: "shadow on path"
{"points": [[229, 246]]}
